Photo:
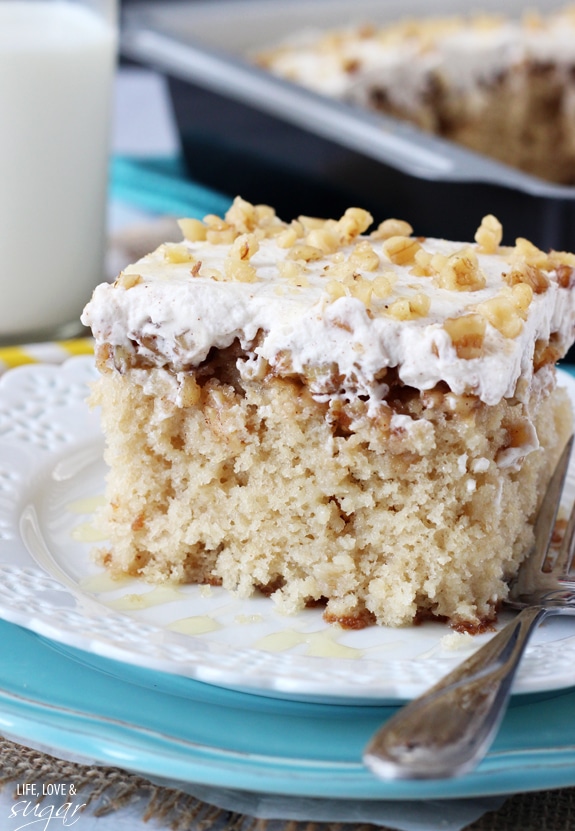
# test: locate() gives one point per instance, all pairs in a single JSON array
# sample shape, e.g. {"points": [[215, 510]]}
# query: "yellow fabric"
{"points": [[12, 356], [78, 346], [55, 352]]}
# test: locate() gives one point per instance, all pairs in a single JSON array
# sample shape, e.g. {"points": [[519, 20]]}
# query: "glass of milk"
{"points": [[57, 63]]}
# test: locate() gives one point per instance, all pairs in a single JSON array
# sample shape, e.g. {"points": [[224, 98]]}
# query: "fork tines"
{"points": [[538, 561]]}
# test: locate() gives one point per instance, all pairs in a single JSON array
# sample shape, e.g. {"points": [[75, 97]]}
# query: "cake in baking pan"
{"points": [[333, 411], [499, 86]]}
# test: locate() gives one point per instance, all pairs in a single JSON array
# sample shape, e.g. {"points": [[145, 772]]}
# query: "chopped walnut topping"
{"points": [[290, 235], [268, 223], [528, 275], [459, 272], [239, 271], [348, 270], [209, 273], [364, 257], [401, 250], [341, 269], [467, 334], [127, 280], [237, 264], [216, 223], [287, 238], [527, 253], [423, 266], [175, 253], [410, 308], [546, 352], [265, 214], [362, 290], [353, 223], [392, 228], [308, 253], [357, 286], [383, 284], [348, 274], [522, 297], [563, 264], [489, 234], [502, 314], [219, 232], [243, 216], [244, 247], [557, 258], [565, 276], [193, 230], [294, 273], [335, 289], [309, 223], [326, 239]]}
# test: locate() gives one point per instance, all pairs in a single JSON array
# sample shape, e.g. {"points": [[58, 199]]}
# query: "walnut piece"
{"points": [[528, 275], [392, 228], [410, 308], [489, 235], [307, 253], [364, 257], [459, 272], [294, 273], [353, 223], [193, 230], [401, 250], [290, 235], [127, 280], [467, 334], [237, 264], [177, 253], [502, 313], [244, 247]]}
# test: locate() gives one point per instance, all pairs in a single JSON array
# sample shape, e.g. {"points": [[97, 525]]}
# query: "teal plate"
{"points": [[162, 726]]}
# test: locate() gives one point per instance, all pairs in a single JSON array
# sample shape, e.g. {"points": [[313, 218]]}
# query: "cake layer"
{"points": [[255, 487], [365, 421]]}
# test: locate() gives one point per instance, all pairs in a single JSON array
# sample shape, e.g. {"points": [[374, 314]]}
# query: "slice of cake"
{"points": [[328, 416], [502, 87]]}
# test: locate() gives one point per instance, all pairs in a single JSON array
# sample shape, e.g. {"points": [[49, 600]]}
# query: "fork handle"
{"points": [[447, 731]]}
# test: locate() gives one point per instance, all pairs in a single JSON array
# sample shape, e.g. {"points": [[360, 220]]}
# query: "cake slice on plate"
{"points": [[333, 412]]}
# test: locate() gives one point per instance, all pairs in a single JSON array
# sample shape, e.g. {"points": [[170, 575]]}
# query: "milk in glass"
{"points": [[57, 62]]}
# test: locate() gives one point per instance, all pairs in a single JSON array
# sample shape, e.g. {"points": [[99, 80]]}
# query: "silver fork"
{"points": [[448, 730]]}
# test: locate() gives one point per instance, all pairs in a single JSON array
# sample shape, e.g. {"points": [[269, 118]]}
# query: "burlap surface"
{"points": [[105, 790]]}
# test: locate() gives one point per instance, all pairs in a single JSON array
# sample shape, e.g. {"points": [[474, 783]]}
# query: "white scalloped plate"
{"points": [[52, 475]]}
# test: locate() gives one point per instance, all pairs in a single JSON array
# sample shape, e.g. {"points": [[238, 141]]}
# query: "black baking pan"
{"points": [[244, 131]]}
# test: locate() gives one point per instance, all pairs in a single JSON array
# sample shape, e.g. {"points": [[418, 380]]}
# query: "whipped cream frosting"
{"points": [[467, 54], [175, 313]]}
